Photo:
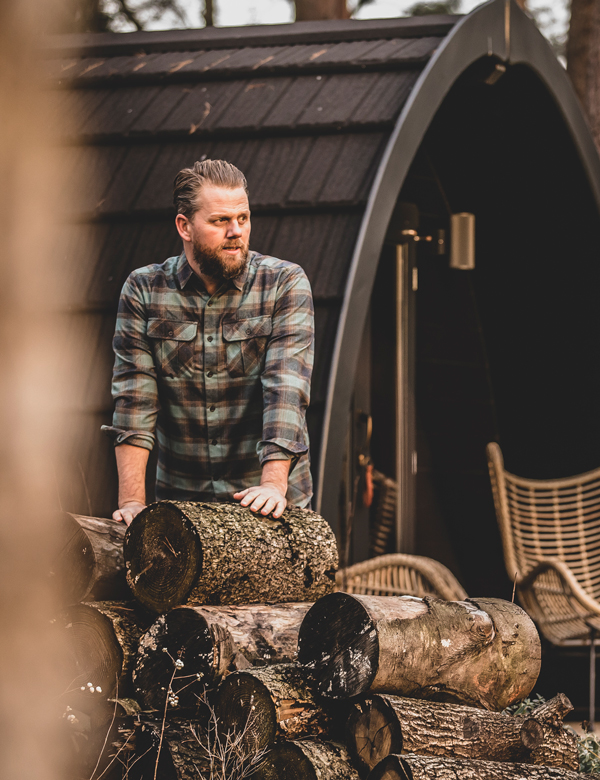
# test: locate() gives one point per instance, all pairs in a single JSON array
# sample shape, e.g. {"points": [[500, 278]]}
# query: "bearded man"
{"points": [[213, 357]]}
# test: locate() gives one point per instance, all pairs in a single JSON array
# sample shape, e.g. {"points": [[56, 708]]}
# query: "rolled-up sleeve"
{"points": [[134, 385], [287, 371]]}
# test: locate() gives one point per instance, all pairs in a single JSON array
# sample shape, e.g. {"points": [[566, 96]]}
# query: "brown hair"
{"points": [[189, 182]]}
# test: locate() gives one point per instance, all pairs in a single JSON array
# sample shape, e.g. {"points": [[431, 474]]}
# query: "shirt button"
{"points": [[248, 331], [210, 303], [170, 333], [212, 409], [210, 373], [214, 442], [209, 338]]}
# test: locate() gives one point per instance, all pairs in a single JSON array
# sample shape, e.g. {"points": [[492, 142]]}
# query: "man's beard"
{"points": [[215, 265]]}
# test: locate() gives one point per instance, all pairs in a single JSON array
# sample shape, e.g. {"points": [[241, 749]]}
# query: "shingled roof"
{"points": [[306, 121]]}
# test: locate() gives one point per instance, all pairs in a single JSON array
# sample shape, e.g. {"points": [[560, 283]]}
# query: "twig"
{"points": [[114, 715], [514, 587], [162, 727]]}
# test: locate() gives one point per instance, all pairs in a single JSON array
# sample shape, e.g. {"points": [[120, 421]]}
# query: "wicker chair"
{"points": [[400, 575], [551, 537]]}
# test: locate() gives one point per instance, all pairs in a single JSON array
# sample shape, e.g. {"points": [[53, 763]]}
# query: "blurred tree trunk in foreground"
{"points": [[583, 59], [28, 402]]}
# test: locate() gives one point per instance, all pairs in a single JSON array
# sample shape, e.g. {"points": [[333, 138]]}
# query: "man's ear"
{"points": [[183, 227]]}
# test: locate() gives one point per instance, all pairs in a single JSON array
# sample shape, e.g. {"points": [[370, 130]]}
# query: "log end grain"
{"points": [[182, 635], [243, 706], [339, 645], [391, 768], [73, 564], [94, 658], [163, 556], [306, 760], [373, 732]]}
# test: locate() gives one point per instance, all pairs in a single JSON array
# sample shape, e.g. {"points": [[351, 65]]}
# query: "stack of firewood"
{"points": [[237, 659]]}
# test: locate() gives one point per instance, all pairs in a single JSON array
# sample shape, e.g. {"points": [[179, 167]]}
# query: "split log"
{"points": [[544, 734], [102, 640], [391, 724], [211, 641], [412, 767], [184, 552], [88, 565], [306, 760], [484, 653], [269, 703]]}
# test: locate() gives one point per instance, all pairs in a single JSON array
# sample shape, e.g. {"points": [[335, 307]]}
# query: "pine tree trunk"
{"points": [[268, 704], [583, 59], [307, 760], [183, 552], [390, 724], [89, 565], [316, 10], [103, 640], [483, 653], [412, 767], [211, 641]]}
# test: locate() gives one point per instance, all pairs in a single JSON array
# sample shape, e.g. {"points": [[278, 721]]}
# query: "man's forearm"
{"points": [[131, 466], [275, 473]]}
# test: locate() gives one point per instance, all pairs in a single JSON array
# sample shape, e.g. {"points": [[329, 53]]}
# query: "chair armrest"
{"points": [[570, 584]]}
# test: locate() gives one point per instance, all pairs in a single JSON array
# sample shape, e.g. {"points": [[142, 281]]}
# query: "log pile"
{"points": [[254, 667]]}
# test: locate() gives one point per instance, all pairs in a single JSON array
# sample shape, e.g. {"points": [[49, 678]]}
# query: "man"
{"points": [[213, 355]]}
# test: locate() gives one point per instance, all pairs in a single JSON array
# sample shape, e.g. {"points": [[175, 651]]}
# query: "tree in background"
{"points": [[583, 59]]}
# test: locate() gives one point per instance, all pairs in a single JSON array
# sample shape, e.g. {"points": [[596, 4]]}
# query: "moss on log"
{"points": [[483, 653], [210, 641], [184, 552]]}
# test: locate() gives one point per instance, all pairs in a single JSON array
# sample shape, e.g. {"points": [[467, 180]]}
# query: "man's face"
{"points": [[219, 232]]}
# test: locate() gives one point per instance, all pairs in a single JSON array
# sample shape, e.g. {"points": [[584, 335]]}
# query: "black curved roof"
{"points": [[305, 110]]}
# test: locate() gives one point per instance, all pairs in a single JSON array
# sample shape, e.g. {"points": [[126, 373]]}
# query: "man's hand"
{"points": [[128, 511], [266, 498], [269, 496]]}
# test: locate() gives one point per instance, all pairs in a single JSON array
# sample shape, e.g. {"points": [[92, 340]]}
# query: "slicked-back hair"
{"points": [[190, 181]]}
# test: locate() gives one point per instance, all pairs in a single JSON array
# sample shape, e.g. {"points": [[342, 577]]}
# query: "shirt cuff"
{"points": [[280, 449], [143, 439]]}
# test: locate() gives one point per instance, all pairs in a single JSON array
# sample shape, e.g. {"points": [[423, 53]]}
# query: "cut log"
{"points": [[183, 552], [102, 639], [177, 751], [484, 653], [550, 743], [307, 760], [211, 641], [391, 724], [269, 703], [88, 565], [412, 767]]}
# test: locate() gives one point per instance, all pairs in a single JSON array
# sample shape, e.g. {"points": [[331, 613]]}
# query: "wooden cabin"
{"points": [[360, 140]]}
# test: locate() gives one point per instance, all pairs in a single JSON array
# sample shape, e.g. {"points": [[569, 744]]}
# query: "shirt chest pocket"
{"points": [[174, 346], [246, 342]]}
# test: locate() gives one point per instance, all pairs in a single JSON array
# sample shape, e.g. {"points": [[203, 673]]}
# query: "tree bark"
{"points": [[412, 767], [211, 641], [544, 735], [102, 639], [483, 653], [583, 58], [316, 10], [181, 754], [184, 552], [89, 565], [390, 724], [307, 760], [269, 703]]}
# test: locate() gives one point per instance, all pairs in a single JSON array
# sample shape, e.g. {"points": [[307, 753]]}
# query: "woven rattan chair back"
{"points": [[400, 575], [551, 518]]}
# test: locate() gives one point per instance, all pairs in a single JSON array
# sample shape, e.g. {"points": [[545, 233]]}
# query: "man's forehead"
{"points": [[217, 199]]}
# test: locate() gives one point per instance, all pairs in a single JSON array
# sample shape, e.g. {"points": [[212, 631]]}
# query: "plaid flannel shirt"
{"points": [[222, 380]]}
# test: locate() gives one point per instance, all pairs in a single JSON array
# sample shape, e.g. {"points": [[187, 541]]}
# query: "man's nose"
{"points": [[233, 229]]}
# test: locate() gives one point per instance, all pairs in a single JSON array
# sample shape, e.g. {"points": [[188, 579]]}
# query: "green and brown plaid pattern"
{"points": [[223, 381]]}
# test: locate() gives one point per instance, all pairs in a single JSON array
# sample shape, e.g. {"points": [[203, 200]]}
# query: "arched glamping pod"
{"points": [[357, 139]]}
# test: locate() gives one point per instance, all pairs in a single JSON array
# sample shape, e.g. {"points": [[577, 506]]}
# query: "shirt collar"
{"points": [[185, 272]]}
